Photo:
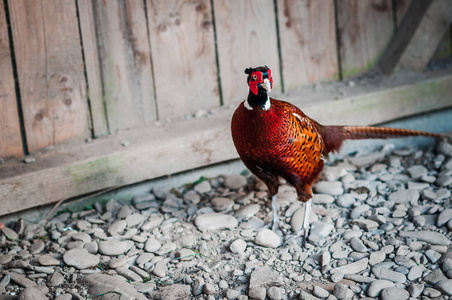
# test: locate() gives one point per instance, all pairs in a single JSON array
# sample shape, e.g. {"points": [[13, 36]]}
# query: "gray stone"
{"points": [[160, 269], [203, 187], [377, 286], [20, 279], [376, 257], [192, 197], [415, 289], [358, 245], [247, 211], [320, 292], [55, 279], [404, 196], [432, 255], [435, 277], [117, 227], [345, 200], [174, 292], [431, 292], [444, 217], [135, 219], [417, 171], [333, 188], [322, 199], [154, 221], [394, 292], [445, 286], [444, 180], [298, 217], [274, 293], [10, 234], [221, 203], [114, 247], [342, 291], [80, 259], [265, 277], [47, 260], [321, 228], [431, 237], [238, 246], [39, 245], [415, 273], [235, 182], [152, 245], [353, 268], [383, 273], [31, 293], [257, 292], [358, 211], [215, 221], [209, 289], [267, 238]]}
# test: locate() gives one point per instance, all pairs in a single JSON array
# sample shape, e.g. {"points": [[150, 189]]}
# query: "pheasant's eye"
{"points": [[254, 76]]}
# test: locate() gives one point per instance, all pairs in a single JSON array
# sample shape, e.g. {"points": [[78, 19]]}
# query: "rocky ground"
{"points": [[381, 228]]}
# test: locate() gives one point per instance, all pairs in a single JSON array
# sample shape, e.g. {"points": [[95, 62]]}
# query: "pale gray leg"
{"points": [[305, 228], [275, 224]]}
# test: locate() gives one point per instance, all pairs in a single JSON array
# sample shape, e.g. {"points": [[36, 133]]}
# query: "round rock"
{"points": [[394, 292], [234, 182], [114, 247], [267, 238], [214, 221], [80, 259], [238, 246]]}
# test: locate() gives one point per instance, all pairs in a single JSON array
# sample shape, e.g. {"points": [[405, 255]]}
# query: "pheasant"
{"points": [[276, 139]]}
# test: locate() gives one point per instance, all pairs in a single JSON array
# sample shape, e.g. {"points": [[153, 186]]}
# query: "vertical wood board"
{"points": [[10, 136], [246, 37], [124, 57], [50, 70], [92, 67], [308, 41], [365, 28], [183, 52]]}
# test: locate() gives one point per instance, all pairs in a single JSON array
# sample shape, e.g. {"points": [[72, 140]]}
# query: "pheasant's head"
{"points": [[259, 79]]}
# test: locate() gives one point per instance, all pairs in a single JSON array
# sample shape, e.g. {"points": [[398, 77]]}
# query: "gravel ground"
{"points": [[381, 228]]}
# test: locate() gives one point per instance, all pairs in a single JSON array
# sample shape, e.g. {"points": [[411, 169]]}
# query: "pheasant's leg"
{"points": [[305, 228], [275, 224]]}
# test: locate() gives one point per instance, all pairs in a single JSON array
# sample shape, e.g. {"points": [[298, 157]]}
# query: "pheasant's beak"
{"points": [[266, 85]]}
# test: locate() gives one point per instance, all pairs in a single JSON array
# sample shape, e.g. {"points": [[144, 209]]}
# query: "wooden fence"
{"points": [[86, 68]]}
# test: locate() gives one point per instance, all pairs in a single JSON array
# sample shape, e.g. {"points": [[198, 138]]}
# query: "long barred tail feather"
{"points": [[367, 132], [334, 136]]}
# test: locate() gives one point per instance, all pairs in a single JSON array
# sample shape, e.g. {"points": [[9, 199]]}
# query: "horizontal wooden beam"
{"points": [[73, 170]]}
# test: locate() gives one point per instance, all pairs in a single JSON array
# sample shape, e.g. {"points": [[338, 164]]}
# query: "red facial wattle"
{"points": [[255, 79]]}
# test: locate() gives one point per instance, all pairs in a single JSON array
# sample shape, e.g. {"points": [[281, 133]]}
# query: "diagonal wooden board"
{"points": [[421, 31], [160, 151]]}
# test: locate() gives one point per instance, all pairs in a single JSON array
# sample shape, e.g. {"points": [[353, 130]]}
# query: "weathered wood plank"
{"points": [[50, 70], [183, 52], [400, 7], [425, 41], [161, 151], [10, 137], [365, 28], [246, 37], [444, 49], [407, 28], [308, 41], [93, 67], [123, 54]]}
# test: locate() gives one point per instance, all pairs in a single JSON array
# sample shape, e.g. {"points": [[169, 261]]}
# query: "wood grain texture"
{"points": [[246, 37], [124, 57], [161, 151], [50, 70], [10, 136], [183, 53], [401, 7], [428, 35], [93, 67], [308, 41], [365, 28]]}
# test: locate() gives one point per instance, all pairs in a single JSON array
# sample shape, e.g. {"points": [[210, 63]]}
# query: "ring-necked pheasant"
{"points": [[276, 139]]}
